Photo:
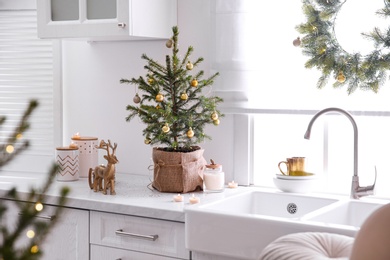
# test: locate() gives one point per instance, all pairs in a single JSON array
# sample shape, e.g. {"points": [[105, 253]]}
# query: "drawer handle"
{"points": [[46, 217], [121, 25], [120, 232]]}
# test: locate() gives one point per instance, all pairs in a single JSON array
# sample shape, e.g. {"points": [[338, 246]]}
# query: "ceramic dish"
{"points": [[288, 177], [297, 186]]}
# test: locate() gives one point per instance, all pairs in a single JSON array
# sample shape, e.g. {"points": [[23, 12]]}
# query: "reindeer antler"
{"points": [[106, 146], [113, 148]]}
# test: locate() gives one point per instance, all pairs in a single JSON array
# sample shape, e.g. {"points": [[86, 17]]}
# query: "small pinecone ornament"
{"points": [[297, 42], [136, 98]]}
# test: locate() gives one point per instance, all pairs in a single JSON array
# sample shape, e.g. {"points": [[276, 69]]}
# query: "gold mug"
{"points": [[295, 166]]}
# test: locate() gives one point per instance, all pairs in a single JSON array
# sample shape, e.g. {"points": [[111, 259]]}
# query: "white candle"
{"points": [[213, 178], [194, 200], [76, 136], [178, 198], [73, 145], [232, 185]]}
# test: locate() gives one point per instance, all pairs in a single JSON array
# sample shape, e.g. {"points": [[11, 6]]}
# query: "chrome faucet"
{"points": [[356, 190]]}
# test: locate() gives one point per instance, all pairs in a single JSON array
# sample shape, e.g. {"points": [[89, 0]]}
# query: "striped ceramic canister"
{"points": [[68, 160]]}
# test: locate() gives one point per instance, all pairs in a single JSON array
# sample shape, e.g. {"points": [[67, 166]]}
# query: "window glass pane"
{"points": [[279, 136], [101, 9], [284, 84], [329, 150], [64, 10]]}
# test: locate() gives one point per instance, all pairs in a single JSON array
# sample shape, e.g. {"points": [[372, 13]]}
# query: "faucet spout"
{"points": [[356, 190]]}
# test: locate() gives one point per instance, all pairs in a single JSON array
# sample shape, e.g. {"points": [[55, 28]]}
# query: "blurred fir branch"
{"points": [[14, 245]]}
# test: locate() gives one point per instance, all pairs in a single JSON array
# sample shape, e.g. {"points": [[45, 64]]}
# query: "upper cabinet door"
{"points": [[106, 19]]}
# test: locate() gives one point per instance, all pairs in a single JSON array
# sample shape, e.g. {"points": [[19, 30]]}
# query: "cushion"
{"points": [[309, 246]]}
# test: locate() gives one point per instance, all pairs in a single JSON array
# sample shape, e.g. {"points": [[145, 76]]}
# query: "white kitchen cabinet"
{"points": [[106, 19], [68, 239], [128, 236], [203, 256]]}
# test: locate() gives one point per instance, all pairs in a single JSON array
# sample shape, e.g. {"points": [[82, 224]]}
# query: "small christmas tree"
{"points": [[175, 104], [27, 224]]}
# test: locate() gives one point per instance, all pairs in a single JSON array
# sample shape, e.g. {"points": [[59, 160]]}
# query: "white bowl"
{"points": [[296, 185]]}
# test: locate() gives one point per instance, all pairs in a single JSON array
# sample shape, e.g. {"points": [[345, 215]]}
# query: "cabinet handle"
{"points": [[120, 232], [46, 217], [121, 25]]}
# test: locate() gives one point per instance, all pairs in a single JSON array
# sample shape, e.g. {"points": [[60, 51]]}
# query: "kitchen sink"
{"points": [[347, 213], [269, 204], [242, 225]]}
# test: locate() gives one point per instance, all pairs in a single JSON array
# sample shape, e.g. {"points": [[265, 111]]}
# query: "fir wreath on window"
{"points": [[175, 105], [319, 42]]}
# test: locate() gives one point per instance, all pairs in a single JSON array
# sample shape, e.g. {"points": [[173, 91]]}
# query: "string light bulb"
{"points": [[38, 206]]}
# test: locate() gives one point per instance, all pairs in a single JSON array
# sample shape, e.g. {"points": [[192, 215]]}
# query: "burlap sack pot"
{"points": [[178, 172]]}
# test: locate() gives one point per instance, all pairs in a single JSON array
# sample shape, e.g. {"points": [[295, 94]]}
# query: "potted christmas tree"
{"points": [[176, 104]]}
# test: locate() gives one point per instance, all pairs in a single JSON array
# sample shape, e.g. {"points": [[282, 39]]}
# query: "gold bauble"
{"points": [[214, 116], [169, 43], [341, 78], [183, 96], [190, 133], [147, 141], [136, 98], [158, 107], [194, 83], [189, 65], [165, 128], [322, 50], [159, 97], [150, 80], [216, 122]]}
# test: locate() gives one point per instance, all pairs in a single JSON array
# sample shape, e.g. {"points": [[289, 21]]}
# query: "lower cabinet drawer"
{"points": [[152, 236], [109, 253]]}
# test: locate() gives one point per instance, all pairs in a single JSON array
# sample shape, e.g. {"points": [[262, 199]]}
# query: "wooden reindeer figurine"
{"points": [[102, 177]]}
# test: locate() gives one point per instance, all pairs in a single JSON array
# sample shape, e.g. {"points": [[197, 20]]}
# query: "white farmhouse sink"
{"points": [[347, 213], [269, 204], [241, 226]]}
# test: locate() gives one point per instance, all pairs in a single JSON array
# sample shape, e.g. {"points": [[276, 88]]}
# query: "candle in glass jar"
{"points": [[213, 178]]}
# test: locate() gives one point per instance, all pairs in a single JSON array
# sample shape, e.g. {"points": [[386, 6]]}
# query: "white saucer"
{"points": [[288, 177]]}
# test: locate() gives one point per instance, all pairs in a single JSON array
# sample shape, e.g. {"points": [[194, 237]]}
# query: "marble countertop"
{"points": [[134, 196]]}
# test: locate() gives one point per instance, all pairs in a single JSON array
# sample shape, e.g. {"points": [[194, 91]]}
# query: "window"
{"points": [[280, 96], [26, 72]]}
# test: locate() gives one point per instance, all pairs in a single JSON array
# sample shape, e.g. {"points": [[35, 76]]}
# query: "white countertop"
{"points": [[133, 196]]}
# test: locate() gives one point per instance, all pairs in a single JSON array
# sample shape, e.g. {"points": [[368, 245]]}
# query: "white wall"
{"points": [[94, 101]]}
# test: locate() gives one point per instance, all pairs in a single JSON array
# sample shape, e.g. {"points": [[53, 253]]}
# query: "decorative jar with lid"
{"points": [[213, 178]]}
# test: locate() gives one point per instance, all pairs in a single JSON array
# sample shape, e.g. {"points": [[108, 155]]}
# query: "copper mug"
{"points": [[295, 166]]}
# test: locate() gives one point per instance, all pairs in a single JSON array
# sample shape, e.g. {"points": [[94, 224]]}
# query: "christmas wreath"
{"points": [[367, 72]]}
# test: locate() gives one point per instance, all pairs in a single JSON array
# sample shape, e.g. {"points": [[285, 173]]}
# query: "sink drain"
{"points": [[292, 208]]}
